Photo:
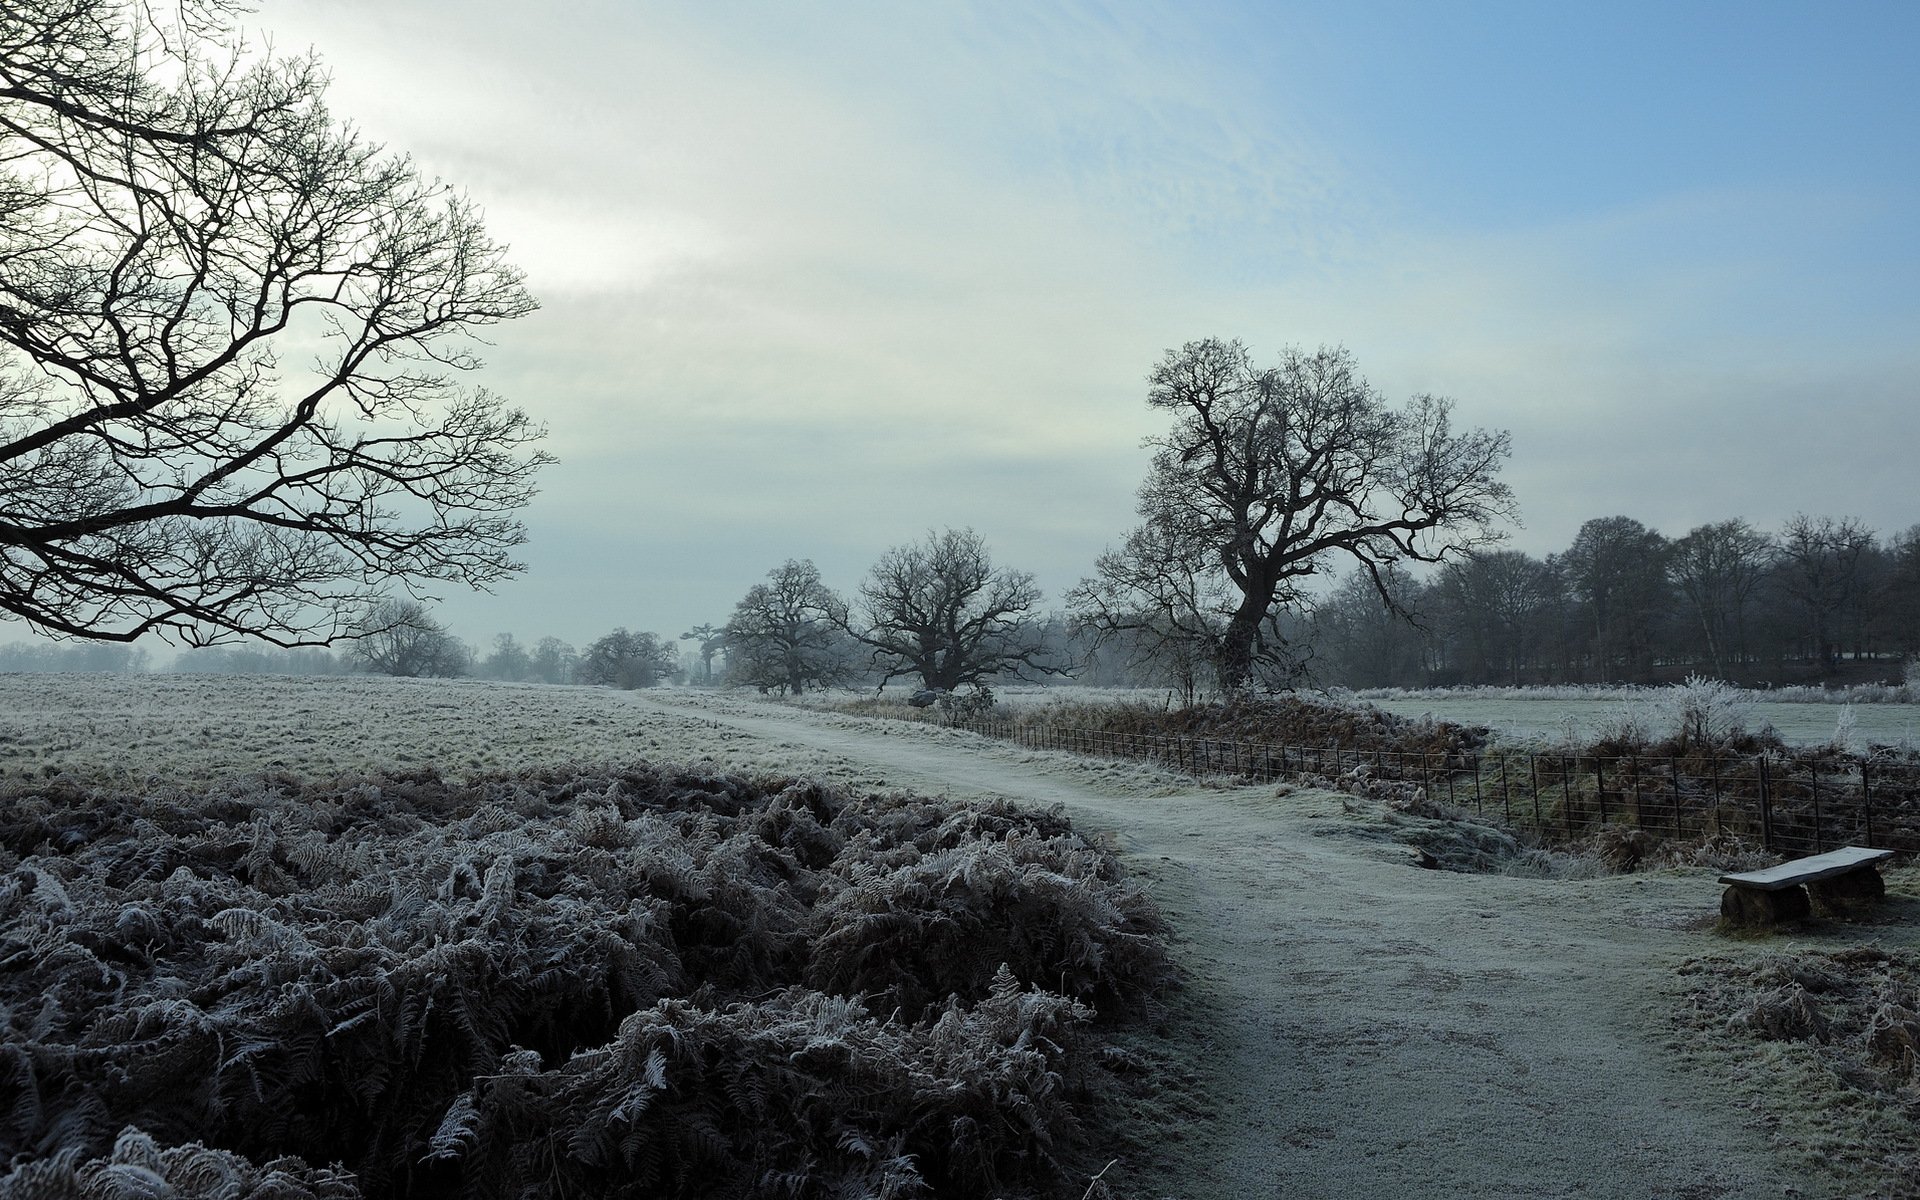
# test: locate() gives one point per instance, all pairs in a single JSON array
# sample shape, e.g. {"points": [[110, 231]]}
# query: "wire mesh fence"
{"points": [[1787, 804]]}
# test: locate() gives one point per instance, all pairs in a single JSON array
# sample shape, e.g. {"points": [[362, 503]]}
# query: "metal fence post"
{"points": [[1866, 801], [1566, 799], [1600, 785], [1533, 768], [1766, 805], [1813, 788]]}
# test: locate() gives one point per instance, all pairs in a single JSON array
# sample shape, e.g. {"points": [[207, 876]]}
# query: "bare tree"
{"points": [[404, 638], [553, 661], [1820, 570], [1161, 601], [1363, 641], [782, 634], [1718, 569], [509, 660], [710, 639], [1267, 474], [1899, 611], [1617, 570], [180, 222], [1496, 603], [627, 661], [938, 608]]}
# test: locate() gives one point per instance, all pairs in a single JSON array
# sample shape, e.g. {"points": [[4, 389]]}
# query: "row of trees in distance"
{"points": [[1822, 599]]}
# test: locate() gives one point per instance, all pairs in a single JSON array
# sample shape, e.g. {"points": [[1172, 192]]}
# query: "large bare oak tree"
{"points": [[230, 330], [1266, 476]]}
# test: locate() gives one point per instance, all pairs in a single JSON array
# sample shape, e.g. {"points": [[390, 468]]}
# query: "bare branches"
{"points": [[1266, 474], [783, 633], [940, 609], [174, 208]]}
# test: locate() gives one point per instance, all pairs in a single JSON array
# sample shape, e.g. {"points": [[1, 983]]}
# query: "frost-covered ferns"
{"points": [[612, 984]]}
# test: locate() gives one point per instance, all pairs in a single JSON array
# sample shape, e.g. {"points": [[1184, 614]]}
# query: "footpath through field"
{"points": [[1367, 1028]]}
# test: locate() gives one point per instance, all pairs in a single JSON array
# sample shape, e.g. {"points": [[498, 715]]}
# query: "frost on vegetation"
{"points": [[1855, 1014], [1704, 712], [550, 983], [1906, 692], [1846, 731]]}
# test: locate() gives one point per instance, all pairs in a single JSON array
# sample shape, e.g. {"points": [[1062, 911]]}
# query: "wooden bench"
{"points": [[1833, 882]]}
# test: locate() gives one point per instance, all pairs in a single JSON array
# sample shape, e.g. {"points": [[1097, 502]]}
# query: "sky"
{"points": [[819, 277]]}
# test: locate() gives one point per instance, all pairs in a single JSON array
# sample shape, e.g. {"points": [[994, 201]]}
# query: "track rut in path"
{"points": [[1372, 1029]]}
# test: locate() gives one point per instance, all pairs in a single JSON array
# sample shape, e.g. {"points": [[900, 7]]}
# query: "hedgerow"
{"points": [[550, 983]]}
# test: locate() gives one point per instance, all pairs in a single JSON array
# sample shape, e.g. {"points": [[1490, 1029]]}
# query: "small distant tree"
{"points": [[1495, 604], [938, 608], [708, 641], [626, 661], [1718, 569], [1361, 641], [403, 638], [782, 634], [552, 661], [1616, 571], [509, 660], [1161, 603], [1820, 571]]}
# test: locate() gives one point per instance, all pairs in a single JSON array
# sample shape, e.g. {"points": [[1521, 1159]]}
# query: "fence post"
{"points": [[1533, 769], [1717, 828], [1673, 777], [1866, 801], [1506, 791], [1478, 808], [1639, 806], [1566, 799], [1813, 787], [1766, 805], [1600, 785]]}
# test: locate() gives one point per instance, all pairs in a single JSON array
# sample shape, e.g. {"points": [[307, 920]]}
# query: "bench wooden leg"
{"points": [[1755, 908], [1847, 893]]}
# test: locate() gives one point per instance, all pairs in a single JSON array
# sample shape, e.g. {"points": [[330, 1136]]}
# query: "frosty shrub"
{"points": [[1703, 712], [1846, 730], [552, 983], [977, 703], [1623, 730]]}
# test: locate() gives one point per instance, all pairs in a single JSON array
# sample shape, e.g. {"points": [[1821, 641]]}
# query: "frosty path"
{"points": [[1367, 1028]]}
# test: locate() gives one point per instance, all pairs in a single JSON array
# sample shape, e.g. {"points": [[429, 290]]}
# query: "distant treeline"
{"points": [[1823, 599]]}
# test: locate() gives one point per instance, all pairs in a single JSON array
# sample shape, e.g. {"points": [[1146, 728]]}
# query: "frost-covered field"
{"points": [[325, 939], [189, 726], [1536, 714], [1551, 717]]}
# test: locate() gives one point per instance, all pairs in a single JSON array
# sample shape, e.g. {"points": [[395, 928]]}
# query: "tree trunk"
{"points": [[1236, 649]]}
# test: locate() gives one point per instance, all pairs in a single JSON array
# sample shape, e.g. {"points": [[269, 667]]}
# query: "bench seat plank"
{"points": [[1808, 870]]}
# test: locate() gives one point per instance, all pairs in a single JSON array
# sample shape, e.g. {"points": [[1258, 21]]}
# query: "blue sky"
{"points": [[817, 277]]}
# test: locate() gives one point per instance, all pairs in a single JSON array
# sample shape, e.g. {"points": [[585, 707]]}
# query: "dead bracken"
{"points": [[555, 982]]}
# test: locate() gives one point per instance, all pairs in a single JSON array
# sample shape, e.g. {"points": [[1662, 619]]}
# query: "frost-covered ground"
{"points": [[201, 725], [1551, 718], [1364, 1028], [1803, 716]]}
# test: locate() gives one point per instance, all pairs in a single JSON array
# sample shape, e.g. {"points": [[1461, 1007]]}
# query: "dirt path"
{"points": [[1369, 1028]]}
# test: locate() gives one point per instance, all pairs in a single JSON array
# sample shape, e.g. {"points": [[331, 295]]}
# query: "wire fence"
{"points": [[1787, 805]]}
